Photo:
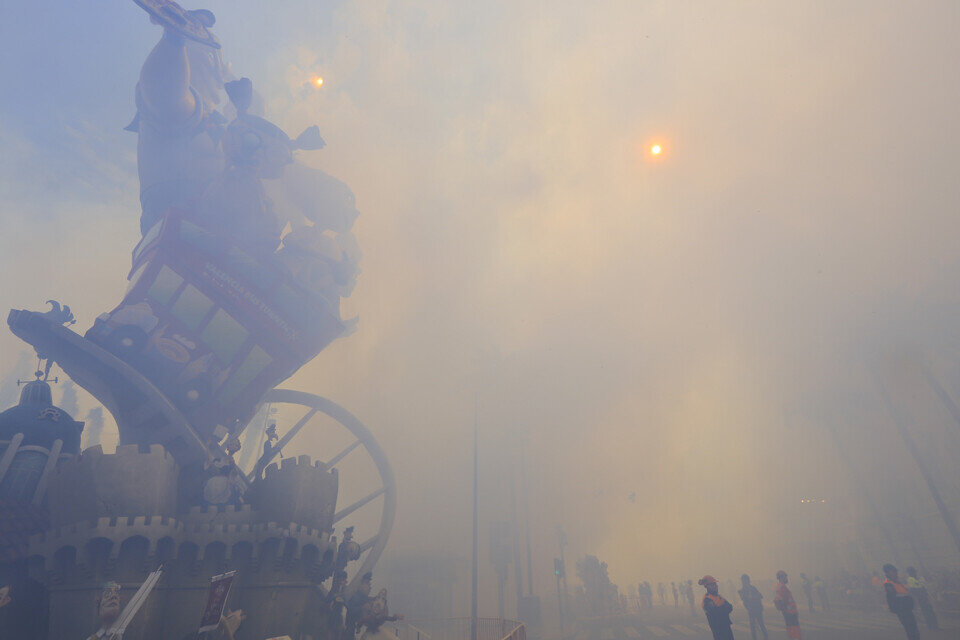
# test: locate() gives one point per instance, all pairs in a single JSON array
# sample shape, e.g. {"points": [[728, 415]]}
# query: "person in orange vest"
{"points": [[900, 602], [717, 609], [787, 606]]}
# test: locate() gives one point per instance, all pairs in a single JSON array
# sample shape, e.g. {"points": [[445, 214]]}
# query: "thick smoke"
{"points": [[688, 347]]}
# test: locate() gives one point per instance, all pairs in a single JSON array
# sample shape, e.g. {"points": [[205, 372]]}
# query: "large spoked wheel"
{"points": [[299, 410]]}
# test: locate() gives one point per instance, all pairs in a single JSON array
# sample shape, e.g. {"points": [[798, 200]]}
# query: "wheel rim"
{"points": [[371, 548]]}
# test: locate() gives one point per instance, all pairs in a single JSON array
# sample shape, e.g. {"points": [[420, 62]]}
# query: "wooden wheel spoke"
{"points": [[373, 547], [343, 513], [340, 456], [368, 544]]}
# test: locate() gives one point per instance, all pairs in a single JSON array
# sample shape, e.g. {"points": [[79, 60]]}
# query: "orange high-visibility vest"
{"points": [[785, 596], [899, 588], [717, 600]]}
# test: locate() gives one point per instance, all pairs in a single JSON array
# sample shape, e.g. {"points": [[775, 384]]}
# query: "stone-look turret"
{"points": [[127, 483], [114, 517], [297, 491]]}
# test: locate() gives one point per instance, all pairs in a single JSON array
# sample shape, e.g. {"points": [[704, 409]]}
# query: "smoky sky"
{"points": [[679, 329]]}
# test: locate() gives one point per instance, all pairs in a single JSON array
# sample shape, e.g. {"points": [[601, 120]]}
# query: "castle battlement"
{"points": [[297, 490], [293, 465], [127, 483], [155, 529]]}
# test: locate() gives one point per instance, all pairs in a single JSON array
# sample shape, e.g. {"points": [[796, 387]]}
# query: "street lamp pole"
{"points": [[526, 516], [561, 534], [476, 520]]}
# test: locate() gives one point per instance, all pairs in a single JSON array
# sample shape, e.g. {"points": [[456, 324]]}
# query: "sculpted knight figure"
{"points": [[179, 148], [192, 157], [108, 609]]}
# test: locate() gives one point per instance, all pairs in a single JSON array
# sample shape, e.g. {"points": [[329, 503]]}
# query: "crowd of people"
{"points": [[911, 596]]}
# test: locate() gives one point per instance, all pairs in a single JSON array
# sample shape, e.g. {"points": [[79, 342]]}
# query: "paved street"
{"points": [[667, 623]]}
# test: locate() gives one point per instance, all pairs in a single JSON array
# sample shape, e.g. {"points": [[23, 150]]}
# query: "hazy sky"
{"points": [[676, 328]]}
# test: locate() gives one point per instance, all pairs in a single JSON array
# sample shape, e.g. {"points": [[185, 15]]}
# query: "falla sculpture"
{"points": [[234, 285]]}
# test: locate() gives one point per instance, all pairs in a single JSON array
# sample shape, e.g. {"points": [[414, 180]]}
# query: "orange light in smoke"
{"points": [[317, 81], [656, 149]]}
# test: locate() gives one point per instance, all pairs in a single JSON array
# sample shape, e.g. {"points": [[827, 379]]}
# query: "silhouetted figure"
{"points": [[336, 605], [689, 590], [676, 595], [752, 601], [821, 589], [717, 609], [349, 550], [900, 602], [662, 592], [918, 589], [877, 582], [807, 587], [358, 600], [787, 606]]}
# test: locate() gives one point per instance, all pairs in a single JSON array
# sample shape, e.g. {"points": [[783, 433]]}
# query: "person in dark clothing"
{"points": [[821, 588], [807, 587], [918, 589], [356, 602], [752, 601], [717, 609], [900, 602]]}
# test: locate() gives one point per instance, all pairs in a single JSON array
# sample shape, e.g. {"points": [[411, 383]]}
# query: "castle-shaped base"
{"points": [[115, 517]]}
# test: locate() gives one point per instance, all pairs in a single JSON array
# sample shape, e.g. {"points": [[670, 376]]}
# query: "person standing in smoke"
{"points": [[717, 609], [900, 602], [807, 587], [787, 606], [662, 591], [689, 588], [676, 595], [752, 601], [918, 589], [821, 589]]}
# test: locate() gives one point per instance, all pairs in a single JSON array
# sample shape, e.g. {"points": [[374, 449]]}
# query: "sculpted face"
{"points": [[110, 603]]}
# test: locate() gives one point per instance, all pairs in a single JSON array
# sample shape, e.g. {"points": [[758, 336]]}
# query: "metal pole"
{"points": [[563, 564], [915, 453], [501, 581], [560, 603], [476, 519], [517, 564], [526, 516]]}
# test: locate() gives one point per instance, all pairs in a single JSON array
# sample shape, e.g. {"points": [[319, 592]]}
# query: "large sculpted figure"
{"points": [[246, 251], [179, 148], [192, 157]]}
